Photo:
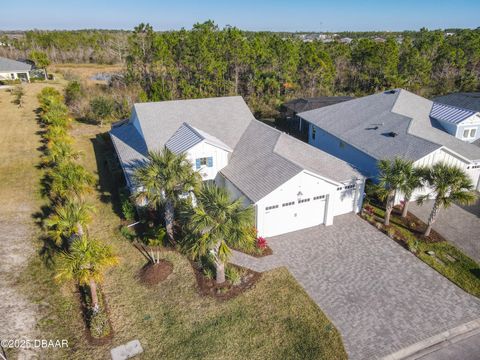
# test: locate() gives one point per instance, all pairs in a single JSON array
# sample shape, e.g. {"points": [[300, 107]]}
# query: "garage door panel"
{"points": [[294, 217]]}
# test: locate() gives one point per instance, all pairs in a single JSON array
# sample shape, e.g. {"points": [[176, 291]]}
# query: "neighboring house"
{"points": [[468, 128], [390, 124], [290, 184], [13, 70], [290, 109]]}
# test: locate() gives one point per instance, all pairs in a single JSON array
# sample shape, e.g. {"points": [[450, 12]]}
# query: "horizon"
{"points": [[273, 16]]}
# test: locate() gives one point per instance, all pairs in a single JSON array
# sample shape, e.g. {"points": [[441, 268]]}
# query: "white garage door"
{"points": [[294, 215]]}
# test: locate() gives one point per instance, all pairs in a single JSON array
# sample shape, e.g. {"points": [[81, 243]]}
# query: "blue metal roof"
{"points": [[448, 113]]}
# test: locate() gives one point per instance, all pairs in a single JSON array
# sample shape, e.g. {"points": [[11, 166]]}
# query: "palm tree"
{"points": [[69, 221], [70, 180], [412, 180], [59, 151], [391, 177], [85, 263], [448, 184], [162, 179], [217, 222]]}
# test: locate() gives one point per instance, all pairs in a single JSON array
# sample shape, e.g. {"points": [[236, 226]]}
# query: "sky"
{"points": [[280, 15]]}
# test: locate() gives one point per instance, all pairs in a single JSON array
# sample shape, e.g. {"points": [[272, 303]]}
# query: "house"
{"points": [[13, 70], [462, 123], [290, 184], [394, 123], [290, 109], [464, 100]]}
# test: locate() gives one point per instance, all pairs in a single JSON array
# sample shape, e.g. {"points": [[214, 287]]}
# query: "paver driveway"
{"points": [[379, 296], [459, 225]]}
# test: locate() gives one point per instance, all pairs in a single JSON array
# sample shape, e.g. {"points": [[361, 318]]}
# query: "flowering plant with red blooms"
{"points": [[368, 209], [261, 242]]}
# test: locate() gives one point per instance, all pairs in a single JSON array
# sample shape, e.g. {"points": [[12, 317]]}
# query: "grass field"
{"points": [[274, 320]]}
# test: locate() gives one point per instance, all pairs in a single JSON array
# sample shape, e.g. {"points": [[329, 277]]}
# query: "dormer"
{"points": [[207, 153], [464, 124]]}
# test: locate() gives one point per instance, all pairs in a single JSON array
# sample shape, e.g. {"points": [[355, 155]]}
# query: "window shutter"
{"points": [[210, 161], [197, 163]]}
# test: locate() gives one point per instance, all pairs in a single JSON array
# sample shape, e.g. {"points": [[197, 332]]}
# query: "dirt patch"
{"points": [[152, 274], [226, 291]]}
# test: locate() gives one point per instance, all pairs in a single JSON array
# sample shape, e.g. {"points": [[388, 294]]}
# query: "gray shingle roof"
{"points": [[449, 113], [224, 118], [13, 65], [367, 122], [465, 100], [305, 104], [265, 158]]}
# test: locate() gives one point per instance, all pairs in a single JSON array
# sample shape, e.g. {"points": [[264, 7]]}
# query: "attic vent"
{"points": [[392, 134], [390, 91]]}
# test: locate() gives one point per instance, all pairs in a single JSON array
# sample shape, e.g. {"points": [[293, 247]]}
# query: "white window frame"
{"points": [[469, 131]]}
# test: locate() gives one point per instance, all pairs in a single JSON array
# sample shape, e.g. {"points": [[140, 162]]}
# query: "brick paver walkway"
{"points": [[379, 296]]}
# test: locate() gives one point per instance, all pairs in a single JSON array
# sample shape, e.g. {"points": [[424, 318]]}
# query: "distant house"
{"points": [[13, 70], [290, 109], [290, 184], [394, 123]]}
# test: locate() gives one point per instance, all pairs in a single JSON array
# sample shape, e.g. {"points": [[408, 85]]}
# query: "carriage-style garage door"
{"points": [[294, 215]]}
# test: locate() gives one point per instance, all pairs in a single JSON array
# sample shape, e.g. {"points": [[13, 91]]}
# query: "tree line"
{"points": [[268, 68]]}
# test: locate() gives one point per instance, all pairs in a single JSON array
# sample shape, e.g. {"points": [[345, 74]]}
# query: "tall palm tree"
{"points": [[69, 221], [412, 180], [70, 180], [390, 177], [449, 184], [162, 179], [217, 223], [86, 263]]}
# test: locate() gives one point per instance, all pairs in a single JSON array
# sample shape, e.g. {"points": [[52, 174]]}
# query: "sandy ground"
{"points": [[19, 199]]}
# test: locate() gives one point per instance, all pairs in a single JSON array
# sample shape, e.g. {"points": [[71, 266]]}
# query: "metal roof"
{"points": [[449, 113], [464, 100], [13, 65]]}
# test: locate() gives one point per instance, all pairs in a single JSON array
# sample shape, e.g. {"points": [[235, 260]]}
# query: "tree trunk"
{"points": [[406, 201], [93, 292], [169, 216], [220, 272], [432, 217], [389, 208]]}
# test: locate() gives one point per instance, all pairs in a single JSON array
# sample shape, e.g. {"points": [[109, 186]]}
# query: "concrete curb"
{"points": [[436, 342]]}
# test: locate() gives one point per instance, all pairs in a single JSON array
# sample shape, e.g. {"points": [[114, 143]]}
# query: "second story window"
{"points": [[204, 161]]}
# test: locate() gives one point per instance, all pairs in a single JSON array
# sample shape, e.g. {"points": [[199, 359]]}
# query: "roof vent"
{"points": [[392, 134], [391, 91]]}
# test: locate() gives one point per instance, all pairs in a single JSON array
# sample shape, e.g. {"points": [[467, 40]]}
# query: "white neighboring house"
{"points": [[394, 123], [464, 124], [13, 70], [290, 184]]}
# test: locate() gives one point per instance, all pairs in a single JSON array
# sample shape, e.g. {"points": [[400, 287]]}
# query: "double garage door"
{"points": [[294, 215]]}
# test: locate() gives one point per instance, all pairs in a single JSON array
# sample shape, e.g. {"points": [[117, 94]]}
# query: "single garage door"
{"points": [[294, 215]]}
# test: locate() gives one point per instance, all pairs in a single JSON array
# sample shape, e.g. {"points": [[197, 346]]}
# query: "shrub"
{"points": [[128, 209], [73, 92], [391, 232], [127, 233], [47, 96], [18, 93], [232, 274], [102, 108], [208, 272], [99, 324], [261, 243]]}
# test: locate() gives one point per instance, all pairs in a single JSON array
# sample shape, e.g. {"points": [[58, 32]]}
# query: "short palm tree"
{"points": [[86, 263], [57, 133], [412, 180], [58, 152], [162, 179], [70, 180], [448, 184], [390, 177], [69, 221], [217, 223]]}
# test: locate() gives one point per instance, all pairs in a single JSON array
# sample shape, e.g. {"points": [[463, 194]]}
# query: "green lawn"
{"points": [[464, 271], [273, 320]]}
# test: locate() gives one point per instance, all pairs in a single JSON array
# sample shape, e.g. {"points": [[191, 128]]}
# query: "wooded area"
{"points": [[266, 68]]}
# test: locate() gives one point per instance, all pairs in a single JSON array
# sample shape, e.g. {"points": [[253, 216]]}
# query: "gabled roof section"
{"points": [[265, 158], [368, 124], [130, 147], [13, 65], [464, 100], [449, 113], [187, 136], [224, 118]]}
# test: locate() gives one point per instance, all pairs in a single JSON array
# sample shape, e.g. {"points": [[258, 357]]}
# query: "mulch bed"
{"points": [[226, 291], [85, 311], [265, 252], [152, 274]]}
